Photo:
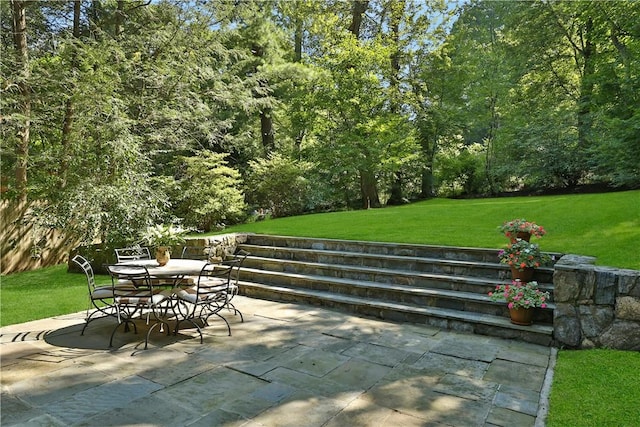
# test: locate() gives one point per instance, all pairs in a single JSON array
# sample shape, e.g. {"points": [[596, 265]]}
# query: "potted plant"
{"points": [[522, 257], [163, 237], [521, 229], [521, 298]]}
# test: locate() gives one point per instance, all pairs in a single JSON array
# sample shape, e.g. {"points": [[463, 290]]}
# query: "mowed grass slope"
{"points": [[606, 226]]}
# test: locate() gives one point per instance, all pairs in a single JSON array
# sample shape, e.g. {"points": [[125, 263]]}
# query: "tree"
{"points": [[208, 194], [23, 118]]}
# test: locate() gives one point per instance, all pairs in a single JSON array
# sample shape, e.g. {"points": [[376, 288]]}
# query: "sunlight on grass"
{"points": [[605, 226], [584, 380]]}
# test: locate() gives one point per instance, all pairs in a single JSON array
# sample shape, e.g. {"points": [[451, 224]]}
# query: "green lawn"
{"points": [[591, 387], [43, 293], [595, 388], [606, 226]]}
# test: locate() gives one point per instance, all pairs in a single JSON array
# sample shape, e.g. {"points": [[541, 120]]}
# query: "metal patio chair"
{"points": [[132, 253], [235, 262], [145, 299], [100, 297], [207, 298]]}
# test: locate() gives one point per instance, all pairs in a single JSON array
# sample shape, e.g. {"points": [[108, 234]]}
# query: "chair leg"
{"points": [[126, 323], [88, 320], [193, 323], [217, 313], [230, 306], [162, 323]]}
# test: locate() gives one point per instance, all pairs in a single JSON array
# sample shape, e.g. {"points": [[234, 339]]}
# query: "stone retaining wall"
{"points": [[222, 245], [595, 306]]}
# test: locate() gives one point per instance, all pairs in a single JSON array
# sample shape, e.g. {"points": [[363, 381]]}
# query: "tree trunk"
{"points": [[357, 11], [67, 125], [22, 61], [266, 130], [119, 18], [426, 187], [368, 183], [298, 36], [397, 9], [369, 190], [586, 86]]}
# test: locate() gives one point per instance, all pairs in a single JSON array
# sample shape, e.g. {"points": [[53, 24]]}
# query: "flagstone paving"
{"points": [[286, 365]]}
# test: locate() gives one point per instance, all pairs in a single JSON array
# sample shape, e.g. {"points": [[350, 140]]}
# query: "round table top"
{"points": [[175, 267]]}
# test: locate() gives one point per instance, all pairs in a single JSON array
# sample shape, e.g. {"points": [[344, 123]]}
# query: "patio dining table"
{"points": [[175, 269]]}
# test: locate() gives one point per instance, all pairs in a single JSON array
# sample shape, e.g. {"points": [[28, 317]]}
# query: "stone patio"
{"points": [[286, 365]]}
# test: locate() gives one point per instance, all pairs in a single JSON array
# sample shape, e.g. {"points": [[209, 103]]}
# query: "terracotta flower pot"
{"points": [[521, 316], [526, 236], [163, 255], [523, 275]]}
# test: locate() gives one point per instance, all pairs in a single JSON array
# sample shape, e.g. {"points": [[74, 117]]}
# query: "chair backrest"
{"points": [[137, 274], [196, 252], [132, 253], [85, 265], [236, 262], [213, 279]]}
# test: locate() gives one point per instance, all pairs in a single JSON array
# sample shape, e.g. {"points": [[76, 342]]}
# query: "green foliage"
{"points": [[208, 192], [163, 235], [279, 184], [512, 95], [460, 169]]}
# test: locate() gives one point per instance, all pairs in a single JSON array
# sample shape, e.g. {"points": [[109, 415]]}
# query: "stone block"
{"points": [[605, 286], [629, 282], [595, 319], [622, 335], [566, 325], [566, 286], [628, 308], [574, 260]]}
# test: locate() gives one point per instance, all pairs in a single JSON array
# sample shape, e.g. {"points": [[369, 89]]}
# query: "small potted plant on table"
{"points": [[162, 238], [521, 298]]}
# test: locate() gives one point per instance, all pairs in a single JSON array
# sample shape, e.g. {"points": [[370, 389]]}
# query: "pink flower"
{"points": [[510, 305]]}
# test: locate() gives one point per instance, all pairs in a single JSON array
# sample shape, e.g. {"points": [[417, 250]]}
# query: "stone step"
{"points": [[420, 279], [466, 321], [437, 285], [493, 270], [401, 293], [378, 248]]}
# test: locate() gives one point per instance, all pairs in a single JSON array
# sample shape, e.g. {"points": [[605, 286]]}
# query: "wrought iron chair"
{"points": [[132, 253], [207, 298], [100, 297], [144, 299], [235, 263]]}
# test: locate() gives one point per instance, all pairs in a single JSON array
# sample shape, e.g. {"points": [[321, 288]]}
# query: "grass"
{"points": [[590, 388], [43, 293], [606, 226], [595, 388]]}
